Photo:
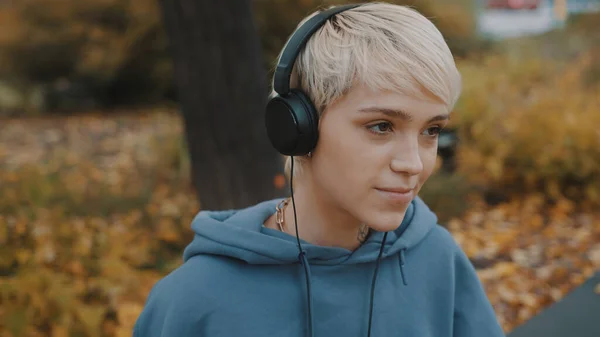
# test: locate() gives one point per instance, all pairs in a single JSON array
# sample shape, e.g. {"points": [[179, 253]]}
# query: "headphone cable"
{"points": [[371, 299], [302, 256], [304, 261]]}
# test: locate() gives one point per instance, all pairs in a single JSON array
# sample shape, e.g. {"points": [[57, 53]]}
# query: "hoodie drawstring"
{"points": [[304, 262], [373, 283], [402, 260]]}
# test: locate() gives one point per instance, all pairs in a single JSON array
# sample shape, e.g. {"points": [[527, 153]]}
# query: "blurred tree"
{"points": [[108, 51], [222, 92]]}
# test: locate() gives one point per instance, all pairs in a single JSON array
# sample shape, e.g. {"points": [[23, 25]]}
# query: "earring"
{"points": [[309, 155]]}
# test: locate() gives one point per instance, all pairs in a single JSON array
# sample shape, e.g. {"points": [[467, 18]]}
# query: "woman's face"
{"points": [[375, 152]]}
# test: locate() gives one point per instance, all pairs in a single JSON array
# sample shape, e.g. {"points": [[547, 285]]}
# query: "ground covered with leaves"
{"points": [[95, 209]]}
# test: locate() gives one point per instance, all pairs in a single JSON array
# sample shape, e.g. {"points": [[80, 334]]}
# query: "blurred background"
{"points": [[121, 119]]}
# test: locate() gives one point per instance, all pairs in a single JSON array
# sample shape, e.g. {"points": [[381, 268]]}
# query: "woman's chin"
{"points": [[387, 222]]}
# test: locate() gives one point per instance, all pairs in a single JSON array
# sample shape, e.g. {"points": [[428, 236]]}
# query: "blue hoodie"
{"points": [[240, 278]]}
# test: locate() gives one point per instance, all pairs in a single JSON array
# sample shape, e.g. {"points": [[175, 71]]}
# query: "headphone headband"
{"points": [[283, 71]]}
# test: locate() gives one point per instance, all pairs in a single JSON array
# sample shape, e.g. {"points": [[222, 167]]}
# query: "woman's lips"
{"points": [[400, 195]]}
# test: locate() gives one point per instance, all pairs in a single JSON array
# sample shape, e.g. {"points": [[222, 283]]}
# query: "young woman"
{"points": [[354, 251]]}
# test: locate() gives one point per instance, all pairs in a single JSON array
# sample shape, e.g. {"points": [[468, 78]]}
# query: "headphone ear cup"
{"points": [[292, 124], [308, 122]]}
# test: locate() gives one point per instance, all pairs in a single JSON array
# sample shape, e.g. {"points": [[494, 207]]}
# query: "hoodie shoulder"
{"points": [[439, 244], [194, 277], [179, 303], [474, 315], [443, 238]]}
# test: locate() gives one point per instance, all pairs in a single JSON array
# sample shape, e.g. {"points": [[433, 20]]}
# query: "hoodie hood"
{"points": [[240, 234], [269, 288]]}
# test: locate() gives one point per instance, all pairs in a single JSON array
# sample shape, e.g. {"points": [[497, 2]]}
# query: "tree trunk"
{"points": [[222, 92]]}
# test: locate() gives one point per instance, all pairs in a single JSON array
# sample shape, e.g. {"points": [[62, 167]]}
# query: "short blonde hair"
{"points": [[382, 46]]}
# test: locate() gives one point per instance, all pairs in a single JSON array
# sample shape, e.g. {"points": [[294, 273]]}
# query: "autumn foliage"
{"points": [[116, 51], [95, 209], [530, 125]]}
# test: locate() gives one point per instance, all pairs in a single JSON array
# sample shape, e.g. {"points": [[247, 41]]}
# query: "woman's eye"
{"points": [[433, 131], [381, 128]]}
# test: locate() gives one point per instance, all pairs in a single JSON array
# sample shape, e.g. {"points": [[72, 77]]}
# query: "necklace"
{"points": [[279, 218], [363, 231]]}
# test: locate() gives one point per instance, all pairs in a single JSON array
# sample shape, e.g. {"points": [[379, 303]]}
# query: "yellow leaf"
{"points": [[166, 231], [91, 317], [60, 331], [504, 269], [23, 255], [127, 314], [494, 167]]}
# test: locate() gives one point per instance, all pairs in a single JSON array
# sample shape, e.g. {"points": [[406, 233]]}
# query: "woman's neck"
{"points": [[320, 221]]}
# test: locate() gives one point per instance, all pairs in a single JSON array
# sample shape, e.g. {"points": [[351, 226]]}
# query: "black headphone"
{"points": [[291, 118]]}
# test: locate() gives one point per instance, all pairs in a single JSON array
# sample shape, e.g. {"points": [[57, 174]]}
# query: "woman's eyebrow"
{"points": [[389, 112], [401, 113]]}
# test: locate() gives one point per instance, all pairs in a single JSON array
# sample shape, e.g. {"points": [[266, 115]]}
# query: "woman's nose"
{"points": [[407, 160]]}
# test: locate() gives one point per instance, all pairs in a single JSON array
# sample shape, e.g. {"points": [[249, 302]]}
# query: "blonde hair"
{"points": [[382, 46]]}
